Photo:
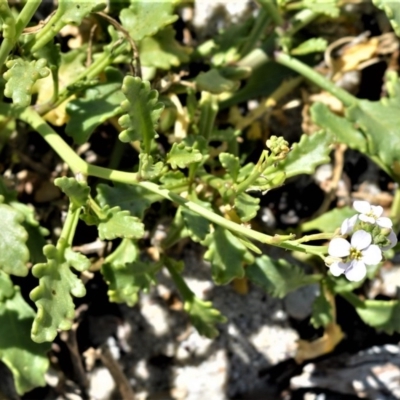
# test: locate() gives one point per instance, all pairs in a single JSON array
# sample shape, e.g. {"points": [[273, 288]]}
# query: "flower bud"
{"points": [[385, 231], [279, 147]]}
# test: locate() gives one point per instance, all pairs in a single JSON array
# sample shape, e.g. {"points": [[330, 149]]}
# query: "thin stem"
{"points": [[69, 227], [261, 23], [317, 236], [78, 165], [22, 21], [271, 9], [98, 66], [395, 209], [346, 98], [300, 20], [183, 288]]}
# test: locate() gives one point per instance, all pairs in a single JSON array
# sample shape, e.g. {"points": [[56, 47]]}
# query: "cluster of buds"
{"points": [[279, 147], [370, 235]]}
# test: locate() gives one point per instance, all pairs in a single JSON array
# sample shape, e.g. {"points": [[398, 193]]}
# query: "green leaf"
{"points": [[99, 104], [392, 10], [173, 178], [226, 254], [142, 110], [246, 206], [134, 199], [278, 277], [197, 226], [383, 315], [203, 316], [146, 18], [125, 275], [21, 76], [312, 45], [379, 119], [329, 221], [231, 164], [340, 128], [162, 50], [322, 312], [212, 81], [327, 7], [6, 287], [27, 360], [14, 253], [53, 296], [119, 224], [78, 192], [149, 170], [306, 155], [180, 156], [69, 12]]}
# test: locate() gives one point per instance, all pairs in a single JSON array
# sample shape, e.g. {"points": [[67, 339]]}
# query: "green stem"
{"points": [[183, 288], [78, 165], [271, 9], [346, 98], [395, 210], [317, 236], [300, 20], [98, 66], [261, 23], [22, 21], [69, 227]]}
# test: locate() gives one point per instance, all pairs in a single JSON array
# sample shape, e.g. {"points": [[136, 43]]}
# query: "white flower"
{"points": [[348, 225], [372, 214], [359, 252]]}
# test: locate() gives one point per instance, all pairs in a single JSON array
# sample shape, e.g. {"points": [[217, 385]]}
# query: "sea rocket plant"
{"points": [[372, 234]]}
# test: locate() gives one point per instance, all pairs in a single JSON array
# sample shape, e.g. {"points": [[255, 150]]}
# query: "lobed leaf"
{"points": [[148, 169], [14, 253], [231, 164], [197, 226], [26, 359], [246, 206], [330, 221], [125, 275], [322, 312], [162, 50], [119, 224], [53, 296], [134, 199], [340, 128], [312, 45], [180, 156], [21, 76], [145, 18], [214, 82], [226, 254], [99, 104], [142, 110], [278, 277], [327, 7], [306, 155], [204, 316], [383, 315], [78, 192]]}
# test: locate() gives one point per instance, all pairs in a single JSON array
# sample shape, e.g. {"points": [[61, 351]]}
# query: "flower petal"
{"points": [[384, 222], [372, 255], [338, 268], [361, 239], [362, 206], [377, 211], [348, 225], [339, 247], [366, 218], [393, 241], [356, 272]]}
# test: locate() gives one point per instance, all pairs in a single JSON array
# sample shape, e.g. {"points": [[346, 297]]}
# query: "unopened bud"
{"points": [[279, 147], [385, 231]]}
